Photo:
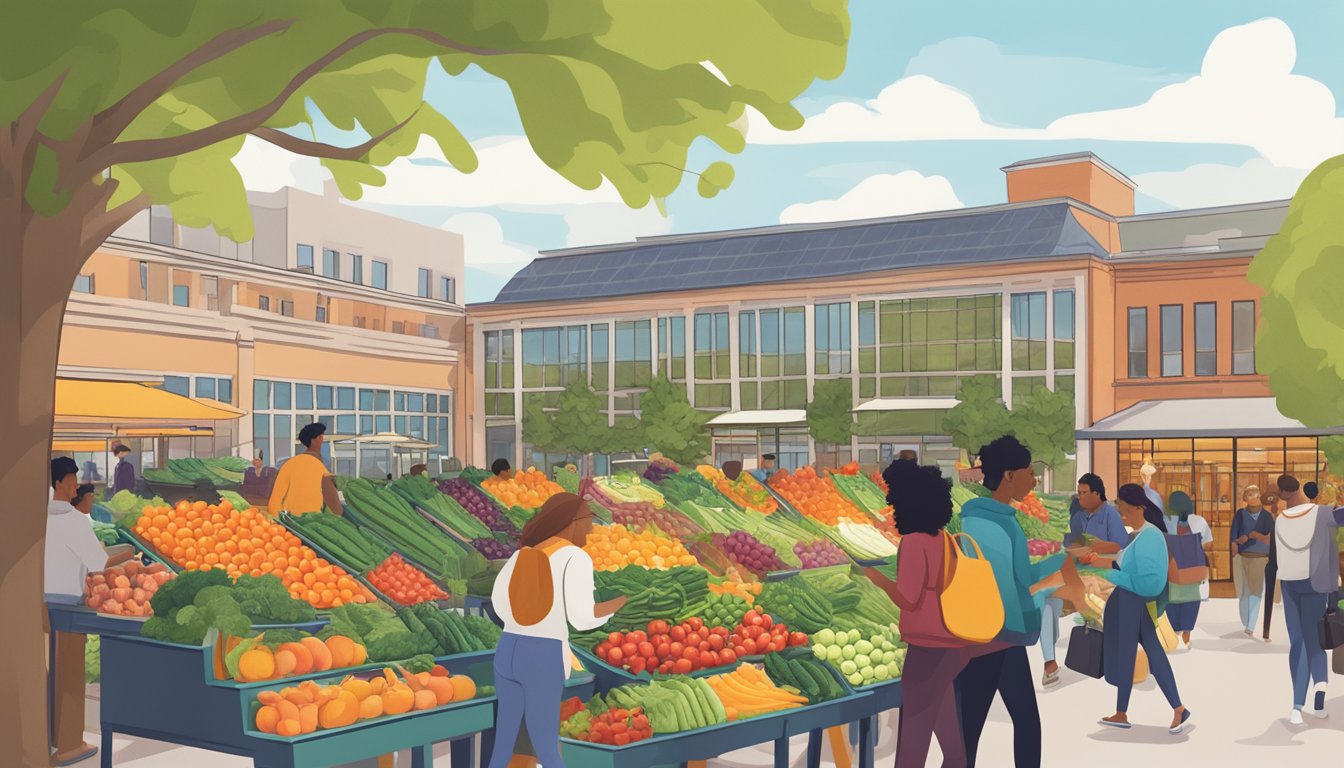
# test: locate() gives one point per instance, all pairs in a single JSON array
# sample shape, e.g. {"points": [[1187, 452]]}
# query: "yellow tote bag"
{"points": [[972, 607]]}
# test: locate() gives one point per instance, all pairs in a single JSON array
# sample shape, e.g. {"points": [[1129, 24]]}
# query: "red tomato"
{"points": [[704, 645], [637, 636], [720, 631], [695, 623], [663, 650], [602, 649], [735, 638], [708, 659], [615, 638], [727, 656], [646, 650], [621, 739], [694, 638], [682, 666], [691, 652], [748, 647], [639, 722], [615, 655], [751, 618], [675, 650], [677, 633], [716, 642], [754, 631], [629, 649], [657, 627], [798, 638], [638, 664], [766, 621], [660, 638], [666, 667]]}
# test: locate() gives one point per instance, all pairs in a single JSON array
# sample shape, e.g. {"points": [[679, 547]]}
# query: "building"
{"points": [[1061, 287], [330, 313]]}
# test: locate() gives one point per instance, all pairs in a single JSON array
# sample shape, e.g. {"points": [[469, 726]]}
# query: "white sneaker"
{"points": [[1295, 718]]}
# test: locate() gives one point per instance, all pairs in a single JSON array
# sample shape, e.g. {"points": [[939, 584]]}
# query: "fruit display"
{"points": [[745, 491], [201, 537], [748, 692], [423, 493], [478, 504], [615, 726], [637, 509], [815, 496], [253, 660], [747, 551], [404, 583], [390, 516], [494, 549], [1039, 550], [862, 661], [819, 554], [1032, 507], [528, 488], [615, 546], [668, 705], [805, 674], [350, 545], [747, 591], [310, 707], [125, 590]]}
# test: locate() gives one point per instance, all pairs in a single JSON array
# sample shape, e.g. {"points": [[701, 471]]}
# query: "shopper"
{"points": [[766, 469], [123, 476], [1001, 667], [303, 484], [921, 502], [1308, 573], [1252, 528], [1139, 573], [1185, 599], [545, 588], [1146, 472], [500, 468], [258, 481], [72, 551], [1270, 502]]}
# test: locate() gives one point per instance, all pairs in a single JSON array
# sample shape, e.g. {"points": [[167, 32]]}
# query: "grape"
{"points": [[820, 554], [478, 504], [747, 551], [494, 550]]}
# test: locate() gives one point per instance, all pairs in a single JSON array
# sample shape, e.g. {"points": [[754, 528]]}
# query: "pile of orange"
{"points": [[815, 496], [881, 481], [745, 492], [197, 536], [528, 489], [1031, 506], [613, 547]]}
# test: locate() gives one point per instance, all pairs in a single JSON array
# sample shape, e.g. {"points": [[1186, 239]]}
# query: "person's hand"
{"points": [[1083, 554]]}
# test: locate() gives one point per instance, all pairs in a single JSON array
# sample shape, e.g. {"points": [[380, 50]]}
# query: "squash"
{"points": [[321, 655]]}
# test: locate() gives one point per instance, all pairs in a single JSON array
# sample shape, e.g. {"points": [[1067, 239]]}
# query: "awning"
{"points": [[388, 438], [778, 418], [1204, 417], [129, 403], [907, 404], [79, 446]]}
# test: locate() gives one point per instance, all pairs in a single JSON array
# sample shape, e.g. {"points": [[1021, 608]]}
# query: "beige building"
{"points": [[330, 313]]}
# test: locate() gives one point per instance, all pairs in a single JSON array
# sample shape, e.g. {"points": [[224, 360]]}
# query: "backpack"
{"points": [[972, 608], [1187, 563]]}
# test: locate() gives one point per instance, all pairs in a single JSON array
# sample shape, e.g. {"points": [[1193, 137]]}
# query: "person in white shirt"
{"points": [[545, 588], [72, 551]]}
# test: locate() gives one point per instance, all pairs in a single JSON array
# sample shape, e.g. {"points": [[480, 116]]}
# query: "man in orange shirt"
{"points": [[304, 484]]}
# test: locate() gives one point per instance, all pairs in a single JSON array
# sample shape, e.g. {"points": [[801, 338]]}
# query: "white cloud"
{"points": [[605, 223], [885, 194], [267, 168], [1210, 184], [486, 247]]}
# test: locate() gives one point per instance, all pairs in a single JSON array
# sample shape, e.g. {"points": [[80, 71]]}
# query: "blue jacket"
{"points": [[994, 527], [1105, 524], [1142, 569]]}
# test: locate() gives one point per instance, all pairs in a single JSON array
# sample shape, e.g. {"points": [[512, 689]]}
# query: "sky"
{"points": [[1201, 103]]}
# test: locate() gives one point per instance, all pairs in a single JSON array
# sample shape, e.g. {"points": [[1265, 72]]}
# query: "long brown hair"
{"points": [[531, 590]]}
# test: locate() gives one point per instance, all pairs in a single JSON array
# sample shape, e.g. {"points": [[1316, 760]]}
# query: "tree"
{"points": [[1045, 424], [109, 107], [979, 417], [671, 425], [830, 415], [1300, 341]]}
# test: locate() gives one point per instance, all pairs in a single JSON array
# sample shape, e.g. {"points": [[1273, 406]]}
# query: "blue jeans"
{"points": [[1127, 626], [1302, 611], [529, 681], [1183, 616], [1050, 611]]}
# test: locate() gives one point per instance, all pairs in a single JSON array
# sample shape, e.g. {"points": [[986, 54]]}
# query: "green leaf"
{"points": [[979, 416], [715, 179], [830, 416]]}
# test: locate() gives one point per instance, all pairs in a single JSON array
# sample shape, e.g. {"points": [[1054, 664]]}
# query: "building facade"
{"points": [[330, 313]]}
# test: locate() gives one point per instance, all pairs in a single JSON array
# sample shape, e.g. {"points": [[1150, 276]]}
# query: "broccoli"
{"points": [[484, 629], [213, 608], [181, 590], [266, 601], [417, 664], [277, 637], [386, 644]]}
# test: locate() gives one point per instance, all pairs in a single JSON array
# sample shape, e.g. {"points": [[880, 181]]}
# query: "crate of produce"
{"points": [[387, 515], [438, 507]]}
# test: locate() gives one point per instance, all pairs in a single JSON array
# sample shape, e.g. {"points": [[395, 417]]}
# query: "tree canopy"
{"points": [[1300, 340], [830, 416], [979, 416], [670, 425], [1044, 422]]}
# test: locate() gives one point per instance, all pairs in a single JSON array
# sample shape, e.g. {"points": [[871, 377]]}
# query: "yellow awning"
{"points": [[79, 446], [120, 402], [167, 432]]}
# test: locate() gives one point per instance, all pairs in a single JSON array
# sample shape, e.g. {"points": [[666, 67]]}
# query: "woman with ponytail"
{"points": [[545, 588]]}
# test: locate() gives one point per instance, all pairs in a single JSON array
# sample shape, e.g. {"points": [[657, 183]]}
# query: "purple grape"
{"points": [[819, 554], [748, 552], [494, 550], [478, 504]]}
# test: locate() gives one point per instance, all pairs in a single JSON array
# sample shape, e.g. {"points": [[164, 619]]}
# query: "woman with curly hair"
{"points": [[921, 500]]}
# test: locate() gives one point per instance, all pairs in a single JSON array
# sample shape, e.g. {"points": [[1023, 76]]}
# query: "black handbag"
{"points": [[1331, 627], [1085, 654]]}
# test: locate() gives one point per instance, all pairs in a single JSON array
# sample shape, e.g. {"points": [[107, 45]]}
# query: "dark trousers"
{"points": [[1183, 616], [930, 707], [1127, 627], [1008, 674], [1271, 581]]}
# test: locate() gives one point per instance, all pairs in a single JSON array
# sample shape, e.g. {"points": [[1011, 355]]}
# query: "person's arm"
{"points": [[1145, 568], [580, 609], [912, 573], [499, 594], [1048, 567], [330, 496], [83, 543], [279, 491]]}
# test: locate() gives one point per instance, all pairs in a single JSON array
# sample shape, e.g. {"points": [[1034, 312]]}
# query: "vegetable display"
{"points": [[672, 705], [252, 660], [615, 546], [641, 513], [567, 477], [106, 532], [860, 490], [725, 610], [862, 661], [423, 493], [864, 541], [309, 707], [749, 692], [616, 726], [125, 590], [479, 505], [805, 675], [815, 496], [797, 603], [341, 539], [494, 549], [392, 517], [819, 554], [660, 469], [528, 488], [745, 492], [404, 583], [747, 551]]}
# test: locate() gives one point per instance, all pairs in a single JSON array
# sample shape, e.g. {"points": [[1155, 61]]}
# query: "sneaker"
{"points": [[1049, 678], [1295, 717], [1318, 704]]}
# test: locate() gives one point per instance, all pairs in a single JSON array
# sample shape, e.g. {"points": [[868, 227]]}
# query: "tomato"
{"points": [[615, 655], [708, 659], [716, 642], [646, 650], [660, 638], [602, 649], [602, 728], [621, 739], [657, 627], [798, 638], [666, 667], [782, 627], [748, 647], [677, 633], [720, 631], [691, 652], [637, 636], [766, 621], [663, 650], [754, 631], [727, 656], [735, 639], [639, 722], [675, 650], [696, 623], [682, 666], [615, 638], [638, 664], [694, 638], [629, 649]]}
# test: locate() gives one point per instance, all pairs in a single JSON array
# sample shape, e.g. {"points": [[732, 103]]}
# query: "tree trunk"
{"points": [[32, 304]]}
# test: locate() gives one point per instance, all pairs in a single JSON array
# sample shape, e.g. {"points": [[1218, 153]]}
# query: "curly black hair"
{"points": [[1002, 455], [920, 497]]}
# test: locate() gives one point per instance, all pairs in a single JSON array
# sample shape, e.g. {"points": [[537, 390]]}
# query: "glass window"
{"points": [[1172, 351], [345, 399], [400, 422], [415, 402], [144, 276], [634, 360], [533, 362], [181, 296], [1138, 342], [284, 437], [711, 346], [832, 338], [795, 342], [205, 387], [1206, 339], [1028, 327], [770, 362], [178, 385], [286, 308], [320, 314], [383, 423], [448, 289], [746, 346], [417, 424], [672, 347], [380, 274], [324, 401], [867, 324], [601, 360], [445, 404], [383, 400], [1065, 322], [431, 404], [303, 257], [366, 399], [1023, 386], [365, 425], [331, 263], [303, 397], [261, 426], [84, 284], [400, 400], [261, 395], [225, 391], [280, 396], [422, 286], [356, 269], [1243, 337], [345, 424]]}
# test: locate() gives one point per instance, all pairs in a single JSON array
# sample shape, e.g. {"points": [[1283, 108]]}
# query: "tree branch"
{"points": [[326, 151], [99, 223], [145, 150], [24, 136]]}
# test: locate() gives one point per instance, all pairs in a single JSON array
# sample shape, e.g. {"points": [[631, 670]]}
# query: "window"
{"points": [[303, 258], [324, 398], [264, 303], [286, 308], [84, 284], [448, 289], [1028, 326], [1172, 364], [398, 326], [552, 357], [356, 269], [1243, 337], [224, 392], [422, 286], [281, 395], [320, 313], [832, 338], [205, 387], [601, 356], [181, 296], [178, 385], [672, 347], [345, 398], [261, 395], [634, 358], [1064, 330], [746, 345], [380, 274], [331, 263], [1206, 339], [210, 287], [711, 346], [429, 331], [144, 276], [303, 397], [1138, 342]]}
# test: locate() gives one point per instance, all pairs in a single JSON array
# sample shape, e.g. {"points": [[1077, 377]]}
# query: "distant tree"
{"points": [[830, 416], [671, 425], [979, 416], [1045, 424]]}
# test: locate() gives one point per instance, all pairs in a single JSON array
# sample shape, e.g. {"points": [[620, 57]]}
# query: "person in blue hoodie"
{"points": [[1001, 666]]}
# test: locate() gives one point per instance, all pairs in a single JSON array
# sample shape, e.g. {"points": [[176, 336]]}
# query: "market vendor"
{"points": [[72, 551], [123, 477], [766, 469], [544, 588], [304, 485], [258, 480], [500, 468]]}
